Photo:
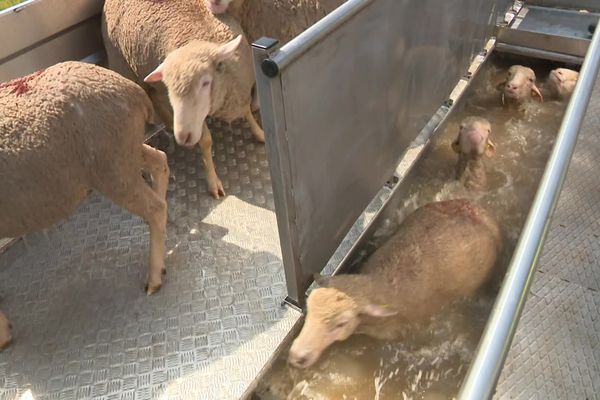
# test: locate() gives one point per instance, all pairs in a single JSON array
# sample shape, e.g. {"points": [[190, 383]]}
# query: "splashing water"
{"points": [[431, 361]]}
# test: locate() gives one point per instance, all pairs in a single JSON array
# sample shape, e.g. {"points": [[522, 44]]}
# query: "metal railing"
{"points": [[484, 372]]}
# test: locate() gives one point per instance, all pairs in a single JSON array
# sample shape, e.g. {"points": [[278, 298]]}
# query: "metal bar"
{"points": [[485, 370], [590, 5], [537, 53], [317, 32], [273, 120]]}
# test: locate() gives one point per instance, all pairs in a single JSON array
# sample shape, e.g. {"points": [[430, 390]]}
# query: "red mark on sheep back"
{"points": [[20, 86], [454, 207]]}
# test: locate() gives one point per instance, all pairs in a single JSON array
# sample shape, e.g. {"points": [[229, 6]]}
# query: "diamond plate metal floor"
{"points": [[556, 349], [84, 329]]}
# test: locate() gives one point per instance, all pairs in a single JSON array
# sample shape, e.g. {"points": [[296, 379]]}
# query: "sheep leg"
{"points": [[257, 131], [255, 105], [156, 161], [5, 331], [140, 199], [215, 186]]}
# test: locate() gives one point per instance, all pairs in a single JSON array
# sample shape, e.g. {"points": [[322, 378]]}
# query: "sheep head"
{"points": [[519, 85], [473, 140], [189, 73], [331, 316], [562, 81]]}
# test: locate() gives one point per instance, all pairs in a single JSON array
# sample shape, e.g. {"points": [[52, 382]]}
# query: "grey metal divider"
{"points": [[38, 33], [485, 369], [342, 101]]}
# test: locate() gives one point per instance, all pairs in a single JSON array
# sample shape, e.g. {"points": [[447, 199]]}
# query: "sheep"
{"points": [[279, 19], [519, 86], [70, 129], [218, 6], [471, 145], [204, 62], [442, 252], [561, 83]]}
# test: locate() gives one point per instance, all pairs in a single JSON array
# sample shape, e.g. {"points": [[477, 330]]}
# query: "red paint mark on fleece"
{"points": [[453, 207], [20, 86]]}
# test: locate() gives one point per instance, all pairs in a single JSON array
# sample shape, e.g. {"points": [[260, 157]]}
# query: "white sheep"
{"points": [[204, 62], [66, 131], [220, 6], [442, 252], [472, 144], [561, 83], [519, 86], [279, 19]]}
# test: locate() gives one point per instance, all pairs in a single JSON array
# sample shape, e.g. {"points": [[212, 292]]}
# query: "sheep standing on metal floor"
{"points": [[66, 131], [204, 62], [442, 252]]}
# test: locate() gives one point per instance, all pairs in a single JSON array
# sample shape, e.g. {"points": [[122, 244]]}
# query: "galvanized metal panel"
{"points": [[73, 44], [35, 21], [557, 31], [352, 102], [572, 4]]}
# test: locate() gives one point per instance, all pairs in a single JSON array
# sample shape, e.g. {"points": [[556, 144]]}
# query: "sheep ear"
{"points": [[536, 92], [378, 311], [156, 75], [228, 50], [490, 148], [456, 146], [321, 280], [501, 85]]}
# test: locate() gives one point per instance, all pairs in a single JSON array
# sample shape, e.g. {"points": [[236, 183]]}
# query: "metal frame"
{"points": [[273, 121], [485, 370], [70, 30], [570, 4], [270, 92], [304, 254]]}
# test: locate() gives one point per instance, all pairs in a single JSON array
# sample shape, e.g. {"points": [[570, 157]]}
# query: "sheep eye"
{"points": [[206, 84], [219, 66], [341, 324]]}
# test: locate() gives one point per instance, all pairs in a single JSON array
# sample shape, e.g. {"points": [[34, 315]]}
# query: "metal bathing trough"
{"points": [[348, 107]]}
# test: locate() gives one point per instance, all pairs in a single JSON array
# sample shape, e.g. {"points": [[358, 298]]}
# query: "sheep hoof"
{"points": [[259, 135], [216, 189], [151, 289]]}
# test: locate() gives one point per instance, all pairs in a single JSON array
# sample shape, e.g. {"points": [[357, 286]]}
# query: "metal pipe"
{"points": [[485, 370], [537, 53], [313, 35]]}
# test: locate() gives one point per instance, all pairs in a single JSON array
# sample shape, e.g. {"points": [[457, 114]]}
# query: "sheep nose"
{"points": [[188, 139], [216, 2]]}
